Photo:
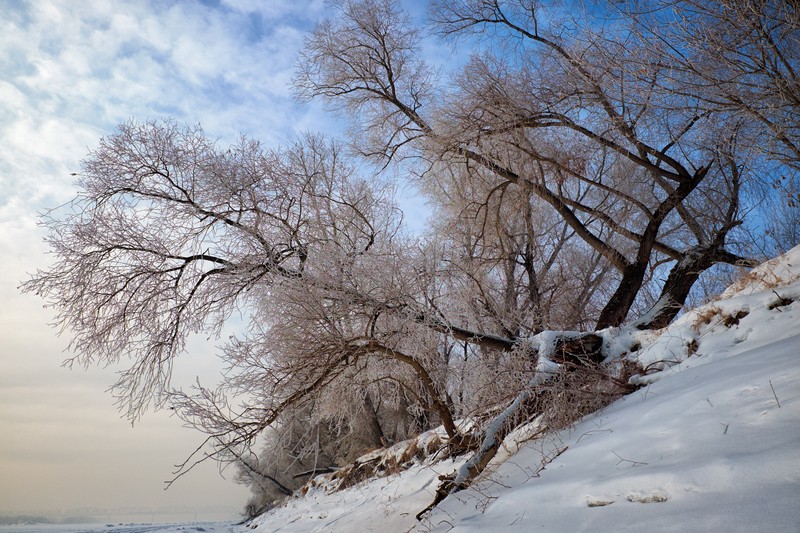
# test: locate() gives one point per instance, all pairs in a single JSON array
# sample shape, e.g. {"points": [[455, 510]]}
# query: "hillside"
{"points": [[710, 442]]}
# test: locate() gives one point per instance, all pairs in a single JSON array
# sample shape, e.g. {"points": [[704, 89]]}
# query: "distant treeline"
{"points": [[16, 520]]}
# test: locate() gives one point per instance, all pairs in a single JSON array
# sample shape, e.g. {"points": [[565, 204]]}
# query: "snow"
{"points": [[711, 442], [746, 316], [382, 505], [706, 450]]}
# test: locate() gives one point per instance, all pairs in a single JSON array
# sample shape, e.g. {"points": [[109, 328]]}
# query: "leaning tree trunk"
{"points": [[616, 310], [682, 278]]}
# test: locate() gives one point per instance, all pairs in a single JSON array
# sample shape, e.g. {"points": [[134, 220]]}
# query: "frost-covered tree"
{"points": [[171, 235], [643, 175]]}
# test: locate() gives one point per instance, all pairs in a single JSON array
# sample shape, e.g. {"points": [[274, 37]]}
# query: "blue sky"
{"points": [[69, 73]]}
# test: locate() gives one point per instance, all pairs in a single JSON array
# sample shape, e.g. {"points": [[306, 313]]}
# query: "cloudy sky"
{"points": [[69, 73]]}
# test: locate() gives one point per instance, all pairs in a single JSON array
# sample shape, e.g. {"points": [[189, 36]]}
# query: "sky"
{"points": [[69, 73]]}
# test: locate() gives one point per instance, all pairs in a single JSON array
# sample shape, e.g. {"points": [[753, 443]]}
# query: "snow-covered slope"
{"points": [[710, 443]]}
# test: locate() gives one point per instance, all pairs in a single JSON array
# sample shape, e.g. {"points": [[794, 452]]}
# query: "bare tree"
{"points": [[556, 112], [741, 60], [739, 57], [171, 235], [644, 176]]}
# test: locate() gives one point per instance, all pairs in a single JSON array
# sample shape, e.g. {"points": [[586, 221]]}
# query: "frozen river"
{"points": [[187, 527]]}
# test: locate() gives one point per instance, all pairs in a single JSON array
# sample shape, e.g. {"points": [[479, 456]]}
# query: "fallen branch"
{"points": [[569, 383], [497, 430], [775, 395]]}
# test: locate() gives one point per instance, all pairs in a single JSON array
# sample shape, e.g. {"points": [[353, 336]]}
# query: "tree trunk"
{"points": [[680, 281], [439, 405], [377, 437], [616, 310], [584, 352]]}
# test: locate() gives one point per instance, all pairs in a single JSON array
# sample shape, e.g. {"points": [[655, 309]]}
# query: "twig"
{"points": [[623, 460], [775, 395], [590, 432], [780, 303], [446, 522], [518, 518]]}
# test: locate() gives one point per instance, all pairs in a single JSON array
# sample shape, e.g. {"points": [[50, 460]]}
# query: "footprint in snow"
{"points": [[742, 336]]}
